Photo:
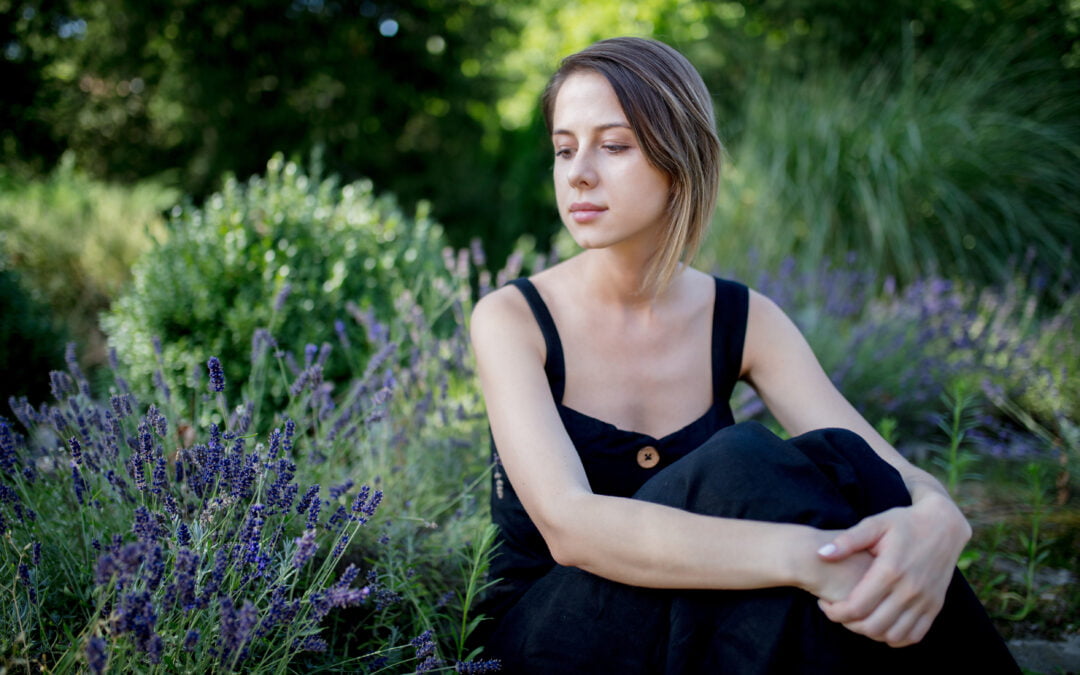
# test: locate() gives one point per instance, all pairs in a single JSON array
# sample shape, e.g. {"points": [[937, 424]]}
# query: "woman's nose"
{"points": [[582, 172]]}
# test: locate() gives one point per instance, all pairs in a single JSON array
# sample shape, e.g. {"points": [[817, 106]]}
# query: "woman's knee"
{"points": [[746, 471]]}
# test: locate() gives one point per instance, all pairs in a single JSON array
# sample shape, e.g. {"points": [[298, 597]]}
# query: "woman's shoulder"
{"points": [[499, 307]]}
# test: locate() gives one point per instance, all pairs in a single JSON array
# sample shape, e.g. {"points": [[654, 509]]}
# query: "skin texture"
{"points": [[633, 359]]}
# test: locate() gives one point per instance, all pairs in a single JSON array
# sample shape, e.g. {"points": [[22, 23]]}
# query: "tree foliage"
{"points": [[431, 99]]}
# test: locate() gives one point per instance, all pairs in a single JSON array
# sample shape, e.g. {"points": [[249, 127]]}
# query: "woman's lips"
{"points": [[586, 212]]}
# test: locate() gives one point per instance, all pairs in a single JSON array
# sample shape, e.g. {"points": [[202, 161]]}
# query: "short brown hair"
{"points": [[670, 110]]}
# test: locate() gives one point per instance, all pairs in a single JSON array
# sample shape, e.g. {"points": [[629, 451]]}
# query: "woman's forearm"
{"points": [[651, 545]]}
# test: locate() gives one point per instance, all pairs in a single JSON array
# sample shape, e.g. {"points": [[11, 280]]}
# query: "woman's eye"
{"points": [[562, 152], [614, 148]]}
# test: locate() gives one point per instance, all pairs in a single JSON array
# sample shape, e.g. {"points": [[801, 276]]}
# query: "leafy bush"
{"points": [[74, 240], [928, 167], [181, 533], [286, 252]]}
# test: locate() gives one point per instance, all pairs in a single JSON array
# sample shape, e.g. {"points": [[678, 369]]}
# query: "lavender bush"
{"points": [[895, 352], [183, 532]]}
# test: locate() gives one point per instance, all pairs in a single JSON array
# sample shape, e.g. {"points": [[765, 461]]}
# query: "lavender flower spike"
{"points": [[478, 667], [96, 655], [305, 548], [217, 376]]}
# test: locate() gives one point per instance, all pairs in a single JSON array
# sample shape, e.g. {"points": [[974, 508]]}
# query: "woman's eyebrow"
{"points": [[599, 127]]}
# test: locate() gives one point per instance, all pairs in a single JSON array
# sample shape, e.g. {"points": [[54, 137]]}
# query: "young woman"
{"points": [[641, 530]]}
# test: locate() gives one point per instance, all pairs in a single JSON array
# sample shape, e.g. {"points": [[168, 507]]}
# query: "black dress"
{"points": [[547, 618]]}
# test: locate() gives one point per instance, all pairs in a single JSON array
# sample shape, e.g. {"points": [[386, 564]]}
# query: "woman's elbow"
{"points": [[562, 534]]}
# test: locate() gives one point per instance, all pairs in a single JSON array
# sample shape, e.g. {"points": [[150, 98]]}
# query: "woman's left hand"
{"points": [[915, 549]]}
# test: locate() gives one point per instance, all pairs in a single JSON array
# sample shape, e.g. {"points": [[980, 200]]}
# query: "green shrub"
{"points": [[286, 252], [74, 239], [948, 167]]}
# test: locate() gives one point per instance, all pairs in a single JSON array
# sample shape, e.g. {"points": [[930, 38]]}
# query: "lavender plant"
{"points": [[184, 532], [896, 352]]}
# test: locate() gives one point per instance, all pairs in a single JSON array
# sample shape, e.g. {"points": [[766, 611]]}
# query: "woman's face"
{"points": [[607, 191]]}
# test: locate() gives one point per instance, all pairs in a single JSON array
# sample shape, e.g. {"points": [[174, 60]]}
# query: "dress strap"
{"points": [[729, 333], [554, 365]]}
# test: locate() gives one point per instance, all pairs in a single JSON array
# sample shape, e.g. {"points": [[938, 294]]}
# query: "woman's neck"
{"points": [[616, 279]]}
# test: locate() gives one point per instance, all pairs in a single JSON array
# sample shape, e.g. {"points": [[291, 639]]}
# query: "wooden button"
{"points": [[648, 457]]}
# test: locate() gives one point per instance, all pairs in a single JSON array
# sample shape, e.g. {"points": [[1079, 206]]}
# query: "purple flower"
{"points": [[217, 376], [310, 378], [261, 341], [290, 431], [61, 384], [236, 628], [339, 547], [313, 513], [361, 505], [217, 577], [338, 490], [24, 577], [281, 611], [251, 534], [97, 655], [478, 667], [185, 570], [425, 649], [312, 643], [282, 296], [159, 480], [80, 484], [275, 445], [35, 556], [305, 548], [104, 569], [305, 501], [135, 614], [338, 518], [183, 534], [343, 336], [146, 526], [278, 490], [7, 448], [153, 565], [190, 640]]}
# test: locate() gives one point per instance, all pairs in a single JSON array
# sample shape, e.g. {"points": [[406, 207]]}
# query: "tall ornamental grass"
{"points": [[946, 166], [181, 532]]}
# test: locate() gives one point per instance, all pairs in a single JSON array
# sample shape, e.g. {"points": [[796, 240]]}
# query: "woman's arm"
{"points": [[914, 548], [626, 540]]}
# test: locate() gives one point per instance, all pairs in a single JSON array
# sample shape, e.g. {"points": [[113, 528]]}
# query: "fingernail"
{"points": [[827, 549]]}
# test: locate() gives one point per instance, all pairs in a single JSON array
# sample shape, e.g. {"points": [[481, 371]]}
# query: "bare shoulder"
{"points": [[502, 321], [763, 310], [773, 341]]}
